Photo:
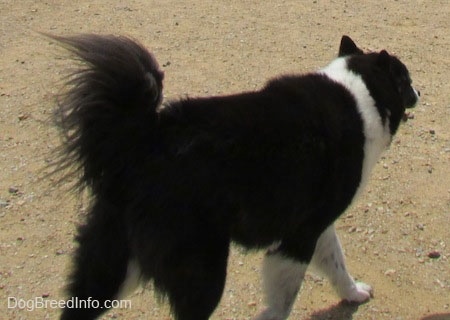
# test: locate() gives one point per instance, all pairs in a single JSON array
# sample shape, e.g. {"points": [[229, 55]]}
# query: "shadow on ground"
{"points": [[345, 311], [341, 311], [441, 316]]}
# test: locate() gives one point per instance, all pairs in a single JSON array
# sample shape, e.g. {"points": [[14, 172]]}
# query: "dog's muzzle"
{"points": [[411, 102]]}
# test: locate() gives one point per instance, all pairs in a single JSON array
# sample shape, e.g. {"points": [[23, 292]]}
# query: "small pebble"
{"points": [[22, 117], [45, 295], [434, 254], [3, 203], [390, 272], [13, 190]]}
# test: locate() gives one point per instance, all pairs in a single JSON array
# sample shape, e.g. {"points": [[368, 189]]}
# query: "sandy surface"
{"points": [[209, 47]]}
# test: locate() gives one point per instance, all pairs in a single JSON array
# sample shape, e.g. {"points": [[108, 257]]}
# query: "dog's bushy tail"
{"points": [[109, 107]]}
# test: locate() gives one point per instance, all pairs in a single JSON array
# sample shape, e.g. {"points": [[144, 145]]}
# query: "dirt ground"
{"points": [[396, 236]]}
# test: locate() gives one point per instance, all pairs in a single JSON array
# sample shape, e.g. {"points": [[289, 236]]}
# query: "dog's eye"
{"points": [[404, 81]]}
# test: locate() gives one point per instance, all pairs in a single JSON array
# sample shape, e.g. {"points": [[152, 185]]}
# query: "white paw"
{"points": [[359, 293]]}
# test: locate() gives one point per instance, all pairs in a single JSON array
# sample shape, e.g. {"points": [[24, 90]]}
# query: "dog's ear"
{"points": [[384, 60], [348, 47]]}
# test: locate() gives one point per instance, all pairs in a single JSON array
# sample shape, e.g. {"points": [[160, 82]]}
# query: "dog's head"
{"points": [[386, 77]]}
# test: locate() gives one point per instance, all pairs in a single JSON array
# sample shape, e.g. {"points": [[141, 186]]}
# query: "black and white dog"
{"points": [[174, 183]]}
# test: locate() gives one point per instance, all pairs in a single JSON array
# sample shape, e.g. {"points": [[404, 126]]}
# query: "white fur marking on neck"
{"points": [[377, 136]]}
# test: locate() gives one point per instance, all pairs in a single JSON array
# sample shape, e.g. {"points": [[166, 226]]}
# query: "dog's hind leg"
{"points": [[282, 279], [329, 259], [192, 275], [100, 264]]}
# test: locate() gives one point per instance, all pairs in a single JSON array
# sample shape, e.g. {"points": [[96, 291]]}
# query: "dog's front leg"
{"points": [[282, 278], [329, 259]]}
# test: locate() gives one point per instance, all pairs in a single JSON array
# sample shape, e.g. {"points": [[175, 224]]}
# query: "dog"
{"points": [[174, 183]]}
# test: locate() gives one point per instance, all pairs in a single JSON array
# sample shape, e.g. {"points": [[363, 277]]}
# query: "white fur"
{"points": [[377, 135], [274, 246], [417, 93], [282, 276], [329, 260], [132, 279], [328, 256], [282, 280]]}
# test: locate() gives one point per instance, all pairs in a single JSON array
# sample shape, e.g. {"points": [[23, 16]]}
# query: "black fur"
{"points": [[173, 184]]}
